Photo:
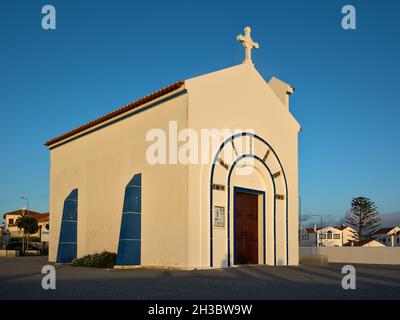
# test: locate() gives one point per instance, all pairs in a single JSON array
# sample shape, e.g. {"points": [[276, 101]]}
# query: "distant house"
{"points": [[308, 237], [44, 230], [388, 236], [10, 224], [397, 239], [348, 234], [2, 232], [327, 236]]}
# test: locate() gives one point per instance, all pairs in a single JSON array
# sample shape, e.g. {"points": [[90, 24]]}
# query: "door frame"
{"points": [[258, 193]]}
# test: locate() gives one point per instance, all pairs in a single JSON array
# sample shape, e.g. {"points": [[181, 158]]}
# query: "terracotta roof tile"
{"points": [[341, 228], [37, 215], [126, 108], [356, 243], [383, 230]]}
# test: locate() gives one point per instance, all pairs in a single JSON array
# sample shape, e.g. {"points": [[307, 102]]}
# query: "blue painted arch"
{"points": [[67, 244], [228, 140], [130, 236]]}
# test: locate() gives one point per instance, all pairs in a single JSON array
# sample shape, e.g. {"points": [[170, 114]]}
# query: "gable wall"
{"points": [[238, 97]]}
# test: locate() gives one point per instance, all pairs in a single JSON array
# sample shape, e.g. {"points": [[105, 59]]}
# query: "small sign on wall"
{"points": [[219, 217]]}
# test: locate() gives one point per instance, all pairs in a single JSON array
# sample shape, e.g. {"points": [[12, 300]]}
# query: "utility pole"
{"points": [[27, 202]]}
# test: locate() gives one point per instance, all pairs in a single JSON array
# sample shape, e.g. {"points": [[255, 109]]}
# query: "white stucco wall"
{"points": [[239, 98], [100, 165], [176, 198], [348, 234]]}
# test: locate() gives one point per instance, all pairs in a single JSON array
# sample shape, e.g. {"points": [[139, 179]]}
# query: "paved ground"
{"points": [[20, 278]]}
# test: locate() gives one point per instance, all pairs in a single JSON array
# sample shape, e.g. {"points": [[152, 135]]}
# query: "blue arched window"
{"points": [[67, 244], [130, 236]]}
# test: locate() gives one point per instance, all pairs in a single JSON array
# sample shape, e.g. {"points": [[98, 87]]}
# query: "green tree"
{"points": [[364, 217], [29, 225]]}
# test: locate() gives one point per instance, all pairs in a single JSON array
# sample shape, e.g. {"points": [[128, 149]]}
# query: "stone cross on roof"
{"points": [[248, 44]]}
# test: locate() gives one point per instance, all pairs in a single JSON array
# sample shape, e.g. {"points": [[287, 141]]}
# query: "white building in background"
{"points": [[348, 234], [11, 227], [308, 237], [397, 239], [389, 236], [327, 236]]}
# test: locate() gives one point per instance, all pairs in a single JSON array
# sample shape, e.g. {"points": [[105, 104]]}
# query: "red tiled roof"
{"points": [[383, 230], [43, 218], [113, 114], [37, 215], [341, 228], [311, 230], [357, 244]]}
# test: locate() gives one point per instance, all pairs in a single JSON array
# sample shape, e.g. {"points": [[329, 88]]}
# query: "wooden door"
{"points": [[246, 228]]}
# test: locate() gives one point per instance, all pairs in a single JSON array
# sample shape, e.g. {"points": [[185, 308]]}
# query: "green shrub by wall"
{"points": [[97, 260]]}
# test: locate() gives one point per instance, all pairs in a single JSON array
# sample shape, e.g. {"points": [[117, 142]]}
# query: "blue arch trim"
{"points": [[67, 244], [130, 235], [237, 135], [252, 191]]}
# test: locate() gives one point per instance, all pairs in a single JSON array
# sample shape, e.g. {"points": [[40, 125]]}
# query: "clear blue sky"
{"points": [[105, 54]]}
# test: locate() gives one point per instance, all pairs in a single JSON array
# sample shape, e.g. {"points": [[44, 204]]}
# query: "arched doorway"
{"points": [[220, 177]]}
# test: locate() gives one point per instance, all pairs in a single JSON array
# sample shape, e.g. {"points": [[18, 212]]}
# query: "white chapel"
{"points": [[233, 202]]}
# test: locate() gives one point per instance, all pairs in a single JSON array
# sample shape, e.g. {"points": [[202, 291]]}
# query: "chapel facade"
{"points": [[105, 194]]}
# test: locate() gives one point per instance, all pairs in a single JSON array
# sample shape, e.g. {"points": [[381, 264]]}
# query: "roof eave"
{"points": [[133, 105]]}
